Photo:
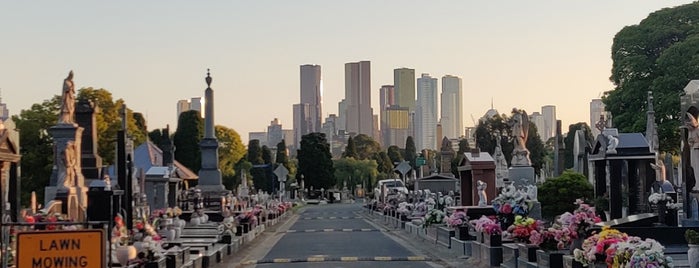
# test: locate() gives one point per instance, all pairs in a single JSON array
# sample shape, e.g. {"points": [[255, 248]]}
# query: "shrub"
{"points": [[558, 195]]}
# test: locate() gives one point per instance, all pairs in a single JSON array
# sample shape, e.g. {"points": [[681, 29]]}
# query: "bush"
{"points": [[558, 195]]}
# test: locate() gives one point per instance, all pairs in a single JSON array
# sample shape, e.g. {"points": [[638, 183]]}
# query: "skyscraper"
{"points": [[311, 93], [386, 100], [359, 114], [404, 83], [426, 113], [452, 114], [549, 114], [538, 121], [302, 122], [274, 133]]}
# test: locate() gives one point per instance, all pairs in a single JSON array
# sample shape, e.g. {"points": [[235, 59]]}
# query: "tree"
{"points": [[350, 149], [537, 150], [570, 139], [283, 159], [155, 136], [366, 146], [108, 122], [36, 146], [655, 55], [355, 172], [315, 161], [258, 171], [394, 152], [463, 148], [190, 130], [411, 152], [230, 151], [384, 163], [558, 195]]}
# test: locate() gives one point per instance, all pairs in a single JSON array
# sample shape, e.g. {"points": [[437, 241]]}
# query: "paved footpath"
{"points": [[333, 235]]}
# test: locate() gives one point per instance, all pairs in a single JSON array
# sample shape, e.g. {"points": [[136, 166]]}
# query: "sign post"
{"points": [[281, 173], [82, 248]]}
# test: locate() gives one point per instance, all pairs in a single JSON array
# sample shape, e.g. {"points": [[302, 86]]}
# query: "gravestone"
{"points": [[90, 159], [521, 172], [210, 182]]}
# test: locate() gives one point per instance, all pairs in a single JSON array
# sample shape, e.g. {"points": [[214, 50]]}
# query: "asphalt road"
{"points": [[335, 235]]}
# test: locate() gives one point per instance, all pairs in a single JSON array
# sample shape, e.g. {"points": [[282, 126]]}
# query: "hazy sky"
{"points": [[523, 54]]}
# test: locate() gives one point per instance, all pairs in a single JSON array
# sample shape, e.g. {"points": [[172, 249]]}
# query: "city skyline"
{"points": [[523, 55]]}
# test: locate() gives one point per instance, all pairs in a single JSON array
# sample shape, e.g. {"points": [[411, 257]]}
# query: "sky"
{"points": [[523, 54]]}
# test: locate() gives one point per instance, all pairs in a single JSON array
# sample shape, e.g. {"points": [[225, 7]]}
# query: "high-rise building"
{"points": [[597, 108], [359, 114], [312, 93], [4, 112], [302, 122], [195, 104], [386, 100], [182, 106], [426, 113], [259, 135], [274, 133], [538, 120], [549, 114], [404, 82], [397, 126], [452, 113], [341, 123]]}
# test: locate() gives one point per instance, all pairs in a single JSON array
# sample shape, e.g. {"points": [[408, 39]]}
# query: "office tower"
{"points": [[302, 122], [549, 114], [274, 133], [182, 106], [404, 83], [597, 108], [452, 114], [359, 114], [312, 93], [341, 123], [195, 104], [397, 126], [426, 113], [538, 120], [386, 100], [258, 135]]}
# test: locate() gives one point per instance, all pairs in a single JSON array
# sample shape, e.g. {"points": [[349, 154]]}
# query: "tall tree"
{"points": [[537, 151], [155, 136], [283, 159], [394, 152], [570, 139], [367, 147], [350, 149], [384, 163], [315, 161], [36, 146], [355, 172], [259, 170], [410, 151], [230, 151], [190, 130], [655, 55], [108, 121], [463, 148]]}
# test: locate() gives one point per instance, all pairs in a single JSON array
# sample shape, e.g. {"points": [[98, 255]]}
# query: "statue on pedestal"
{"points": [[70, 160], [693, 140], [482, 197], [520, 132], [67, 101]]}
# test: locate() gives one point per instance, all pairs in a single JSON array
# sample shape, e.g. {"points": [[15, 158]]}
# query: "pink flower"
{"points": [[506, 209]]}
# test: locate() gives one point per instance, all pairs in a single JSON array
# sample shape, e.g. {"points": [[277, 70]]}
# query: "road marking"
{"points": [[335, 230], [336, 259], [331, 218]]}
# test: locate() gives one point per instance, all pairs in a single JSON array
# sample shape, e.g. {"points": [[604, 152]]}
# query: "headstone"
{"points": [[447, 155], [90, 159], [210, 181]]}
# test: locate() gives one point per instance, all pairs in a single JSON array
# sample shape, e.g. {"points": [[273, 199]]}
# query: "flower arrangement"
{"points": [[637, 253], [487, 226], [556, 237], [405, 208], [581, 220], [509, 203], [120, 235], [521, 229], [656, 198], [247, 217], [456, 219], [597, 244], [434, 216]]}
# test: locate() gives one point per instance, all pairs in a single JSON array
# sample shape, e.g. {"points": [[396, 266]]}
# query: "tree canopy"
{"points": [[350, 149], [230, 151], [315, 161], [659, 54], [190, 130]]}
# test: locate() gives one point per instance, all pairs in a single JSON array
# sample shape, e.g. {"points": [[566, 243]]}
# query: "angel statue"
{"points": [[520, 131], [482, 196], [693, 140]]}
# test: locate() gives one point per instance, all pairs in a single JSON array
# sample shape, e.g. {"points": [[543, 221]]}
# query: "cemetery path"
{"points": [[335, 235]]}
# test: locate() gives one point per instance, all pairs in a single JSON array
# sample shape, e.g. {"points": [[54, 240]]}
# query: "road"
{"points": [[334, 235]]}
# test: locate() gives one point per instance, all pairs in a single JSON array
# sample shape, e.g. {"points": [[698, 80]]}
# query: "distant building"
{"points": [[404, 83], [397, 126], [386, 100], [538, 120], [186, 105], [452, 107], [311, 93], [359, 114], [426, 113], [274, 133], [302, 122], [260, 136], [4, 112], [341, 123], [549, 114]]}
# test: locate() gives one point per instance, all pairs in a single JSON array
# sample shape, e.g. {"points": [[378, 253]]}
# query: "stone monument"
{"points": [[501, 171], [210, 182], [67, 182], [89, 158], [482, 196], [447, 155], [521, 172]]}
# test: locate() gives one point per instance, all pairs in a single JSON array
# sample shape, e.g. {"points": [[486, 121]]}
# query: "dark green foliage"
{"points": [[190, 130], [459, 156], [282, 157], [394, 152], [557, 195], [315, 161], [537, 151], [385, 165], [350, 149], [660, 55], [155, 136], [258, 172], [410, 152], [230, 151], [366, 146], [266, 155], [570, 139], [36, 147]]}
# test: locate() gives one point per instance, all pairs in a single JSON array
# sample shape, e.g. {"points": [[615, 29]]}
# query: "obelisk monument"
{"points": [[210, 181]]}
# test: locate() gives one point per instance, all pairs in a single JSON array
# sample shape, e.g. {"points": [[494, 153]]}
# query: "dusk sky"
{"points": [[522, 54]]}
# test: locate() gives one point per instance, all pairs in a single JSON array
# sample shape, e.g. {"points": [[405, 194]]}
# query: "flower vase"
{"points": [[125, 253], [553, 259], [462, 233], [693, 255], [492, 240]]}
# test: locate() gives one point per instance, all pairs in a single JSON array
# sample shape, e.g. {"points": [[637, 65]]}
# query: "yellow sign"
{"points": [[61, 249]]}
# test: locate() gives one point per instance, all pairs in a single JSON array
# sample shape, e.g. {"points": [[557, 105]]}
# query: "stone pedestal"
{"points": [[65, 136], [522, 176], [510, 254], [72, 199]]}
